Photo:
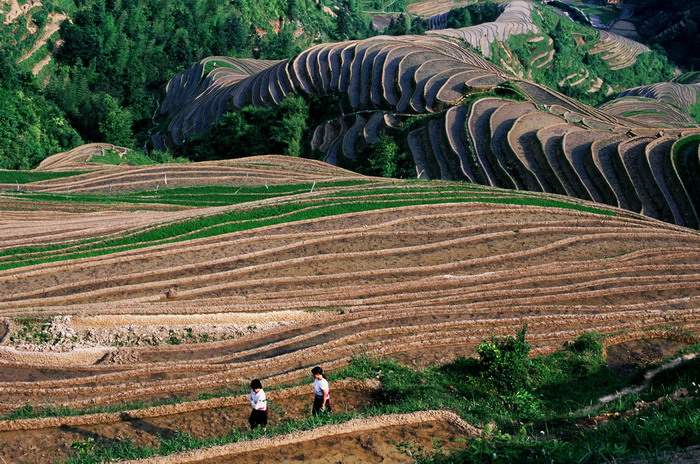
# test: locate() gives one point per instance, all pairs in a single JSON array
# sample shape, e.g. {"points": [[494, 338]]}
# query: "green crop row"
{"points": [[192, 196], [251, 218]]}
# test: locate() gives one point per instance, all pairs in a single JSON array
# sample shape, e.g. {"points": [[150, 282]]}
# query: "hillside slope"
{"points": [[246, 268], [484, 125]]}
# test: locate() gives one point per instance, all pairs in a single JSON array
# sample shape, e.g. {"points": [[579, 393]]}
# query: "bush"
{"points": [[586, 354], [39, 18], [165, 157], [587, 343], [505, 364]]}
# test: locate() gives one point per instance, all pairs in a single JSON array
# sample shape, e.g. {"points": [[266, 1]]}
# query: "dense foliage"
{"points": [[471, 15], [31, 127], [672, 26], [118, 54], [254, 131]]}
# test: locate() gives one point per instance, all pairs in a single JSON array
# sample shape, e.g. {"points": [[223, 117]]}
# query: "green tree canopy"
{"points": [[254, 131]]}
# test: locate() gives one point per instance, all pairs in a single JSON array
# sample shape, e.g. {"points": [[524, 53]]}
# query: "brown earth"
{"points": [[483, 270], [625, 358], [422, 284], [360, 440], [47, 440]]}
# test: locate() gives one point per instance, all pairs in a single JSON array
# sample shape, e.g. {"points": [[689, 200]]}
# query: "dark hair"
{"points": [[318, 370], [255, 384]]}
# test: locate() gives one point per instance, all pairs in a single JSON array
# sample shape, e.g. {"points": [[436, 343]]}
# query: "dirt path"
{"points": [[357, 441], [55, 21], [16, 10]]}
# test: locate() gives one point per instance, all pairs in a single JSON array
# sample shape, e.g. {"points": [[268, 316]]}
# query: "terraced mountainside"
{"points": [[462, 118], [527, 291]]}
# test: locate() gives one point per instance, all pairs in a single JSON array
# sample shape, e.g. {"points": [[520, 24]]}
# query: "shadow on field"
{"points": [[154, 430]]}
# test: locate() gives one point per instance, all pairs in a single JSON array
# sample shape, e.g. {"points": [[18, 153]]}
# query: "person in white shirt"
{"points": [[322, 396], [258, 400]]}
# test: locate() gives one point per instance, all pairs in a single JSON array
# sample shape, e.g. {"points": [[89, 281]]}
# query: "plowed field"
{"points": [[138, 303]]}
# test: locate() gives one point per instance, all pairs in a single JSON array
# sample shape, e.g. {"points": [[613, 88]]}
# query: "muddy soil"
{"points": [[625, 358]]}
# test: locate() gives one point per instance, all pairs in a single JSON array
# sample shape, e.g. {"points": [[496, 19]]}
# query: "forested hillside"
{"points": [[671, 25], [96, 70], [32, 127], [110, 61]]}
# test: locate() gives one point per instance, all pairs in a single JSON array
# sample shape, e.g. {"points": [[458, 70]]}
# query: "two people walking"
{"points": [[258, 399]]}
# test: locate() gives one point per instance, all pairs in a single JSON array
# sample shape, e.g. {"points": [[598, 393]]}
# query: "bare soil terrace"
{"points": [[422, 284]]}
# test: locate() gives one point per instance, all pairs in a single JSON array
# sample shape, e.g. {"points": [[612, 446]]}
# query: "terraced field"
{"points": [[485, 126], [515, 20], [682, 95], [137, 302], [307, 256]]}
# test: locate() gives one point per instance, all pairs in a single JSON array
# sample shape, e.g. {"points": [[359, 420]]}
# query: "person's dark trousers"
{"points": [[318, 403], [257, 417]]}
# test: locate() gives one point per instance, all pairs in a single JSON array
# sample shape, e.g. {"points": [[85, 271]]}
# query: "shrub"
{"points": [[589, 342], [504, 363], [587, 354]]}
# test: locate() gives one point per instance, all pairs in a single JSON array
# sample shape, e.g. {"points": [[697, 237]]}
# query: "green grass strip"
{"points": [[27, 177], [190, 196], [112, 157]]}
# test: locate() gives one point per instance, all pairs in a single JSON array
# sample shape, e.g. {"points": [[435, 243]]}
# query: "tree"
{"points": [[116, 122], [289, 130], [383, 157], [254, 131], [279, 46]]}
